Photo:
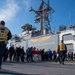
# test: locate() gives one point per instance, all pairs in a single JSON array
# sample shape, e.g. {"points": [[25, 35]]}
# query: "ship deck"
{"points": [[38, 68]]}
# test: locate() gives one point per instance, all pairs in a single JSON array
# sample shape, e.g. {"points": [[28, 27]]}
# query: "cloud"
{"points": [[9, 10], [27, 4]]}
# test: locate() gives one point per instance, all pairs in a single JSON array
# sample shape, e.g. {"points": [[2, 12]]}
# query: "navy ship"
{"points": [[44, 38]]}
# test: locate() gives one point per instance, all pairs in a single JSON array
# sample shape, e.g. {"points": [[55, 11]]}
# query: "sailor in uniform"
{"points": [[5, 35], [63, 50]]}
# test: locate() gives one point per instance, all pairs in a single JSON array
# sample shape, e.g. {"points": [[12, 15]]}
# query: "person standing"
{"points": [[63, 50], [5, 35], [11, 52], [22, 54]]}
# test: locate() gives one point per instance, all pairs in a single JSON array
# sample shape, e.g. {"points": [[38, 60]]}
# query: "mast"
{"points": [[42, 16]]}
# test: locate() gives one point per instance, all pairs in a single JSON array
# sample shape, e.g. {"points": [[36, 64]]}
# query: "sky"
{"points": [[16, 13]]}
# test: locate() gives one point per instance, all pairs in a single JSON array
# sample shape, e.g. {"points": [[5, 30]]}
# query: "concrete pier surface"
{"points": [[38, 68]]}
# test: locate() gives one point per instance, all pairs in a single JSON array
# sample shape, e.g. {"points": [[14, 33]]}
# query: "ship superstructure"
{"points": [[43, 16], [44, 38]]}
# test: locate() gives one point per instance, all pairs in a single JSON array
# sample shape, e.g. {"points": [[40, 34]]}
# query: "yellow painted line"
{"points": [[64, 63], [69, 63]]}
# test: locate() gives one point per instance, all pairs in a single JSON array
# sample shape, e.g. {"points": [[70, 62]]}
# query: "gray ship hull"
{"points": [[44, 42]]}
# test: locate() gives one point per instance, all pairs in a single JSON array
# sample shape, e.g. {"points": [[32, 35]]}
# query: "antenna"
{"points": [[70, 18]]}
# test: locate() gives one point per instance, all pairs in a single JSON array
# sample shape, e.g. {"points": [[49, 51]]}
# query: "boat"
{"points": [[44, 38]]}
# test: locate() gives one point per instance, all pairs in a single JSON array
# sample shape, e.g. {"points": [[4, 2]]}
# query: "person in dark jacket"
{"points": [[5, 35], [18, 51], [22, 54], [11, 52]]}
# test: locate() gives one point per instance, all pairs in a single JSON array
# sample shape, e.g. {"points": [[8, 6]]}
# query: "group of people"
{"points": [[30, 55], [40, 54], [19, 54], [14, 54]]}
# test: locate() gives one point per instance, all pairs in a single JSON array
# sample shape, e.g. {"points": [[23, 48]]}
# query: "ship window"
{"points": [[67, 37]]}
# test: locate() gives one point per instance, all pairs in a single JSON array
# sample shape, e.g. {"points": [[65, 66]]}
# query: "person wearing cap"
{"points": [[5, 35]]}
